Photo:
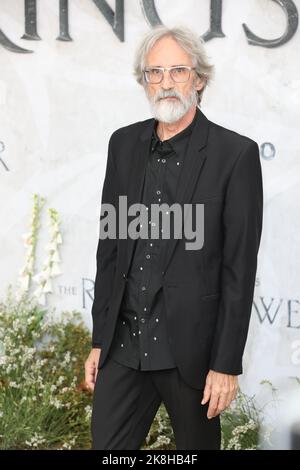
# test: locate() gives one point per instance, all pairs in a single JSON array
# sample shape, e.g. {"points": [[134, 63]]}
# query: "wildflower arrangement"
{"points": [[44, 403]]}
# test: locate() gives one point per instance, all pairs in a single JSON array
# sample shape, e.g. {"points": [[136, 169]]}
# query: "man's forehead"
{"points": [[164, 55]]}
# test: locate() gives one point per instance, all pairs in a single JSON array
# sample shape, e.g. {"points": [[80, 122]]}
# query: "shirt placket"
{"points": [[154, 195]]}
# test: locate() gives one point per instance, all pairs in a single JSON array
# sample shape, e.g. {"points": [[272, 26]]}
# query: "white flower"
{"points": [[14, 384], [66, 446], [56, 257], [88, 411], [24, 282], [47, 287], [38, 292], [55, 271], [35, 441], [30, 319], [67, 357], [56, 403], [59, 238]]}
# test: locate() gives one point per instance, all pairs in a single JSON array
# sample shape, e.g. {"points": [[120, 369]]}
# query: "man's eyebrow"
{"points": [[176, 65]]}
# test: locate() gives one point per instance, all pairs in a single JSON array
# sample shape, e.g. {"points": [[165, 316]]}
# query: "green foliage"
{"points": [[241, 424], [160, 436], [44, 403]]}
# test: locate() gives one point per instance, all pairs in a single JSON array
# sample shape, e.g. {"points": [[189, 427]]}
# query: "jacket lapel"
{"points": [[137, 175], [190, 171]]}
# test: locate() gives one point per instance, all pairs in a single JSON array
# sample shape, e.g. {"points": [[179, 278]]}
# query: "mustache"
{"points": [[166, 94]]}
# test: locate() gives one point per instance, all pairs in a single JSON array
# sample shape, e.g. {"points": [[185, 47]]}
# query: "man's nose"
{"points": [[167, 81]]}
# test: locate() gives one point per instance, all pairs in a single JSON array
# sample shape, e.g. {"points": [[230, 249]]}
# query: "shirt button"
{"points": [[178, 163], [123, 323], [141, 268], [135, 318], [122, 345], [140, 332], [158, 192], [143, 320], [157, 320], [151, 244], [146, 354], [163, 160], [147, 256], [158, 159], [145, 308], [133, 334], [154, 338], [143, 288]]}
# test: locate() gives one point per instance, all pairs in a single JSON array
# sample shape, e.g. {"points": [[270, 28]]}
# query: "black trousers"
{"points": [[126, 400]]}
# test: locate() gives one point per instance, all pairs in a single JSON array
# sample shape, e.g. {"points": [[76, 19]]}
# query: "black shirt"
{"points": [[141, 336]]}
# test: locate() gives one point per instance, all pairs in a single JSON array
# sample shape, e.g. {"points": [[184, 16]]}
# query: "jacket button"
{"points": [[124, 276]]}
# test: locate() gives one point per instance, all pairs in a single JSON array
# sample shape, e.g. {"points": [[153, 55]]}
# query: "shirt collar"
{"points": [[166, 146]]}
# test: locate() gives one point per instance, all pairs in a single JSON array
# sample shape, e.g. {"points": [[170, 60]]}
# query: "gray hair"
{"points": [[188, 40]]}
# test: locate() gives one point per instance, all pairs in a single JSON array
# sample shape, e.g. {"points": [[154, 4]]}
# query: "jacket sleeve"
{"points": [[242, 223], [106, 255]]}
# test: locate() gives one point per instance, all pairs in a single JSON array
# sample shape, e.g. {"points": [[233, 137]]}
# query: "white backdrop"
{"points": [[59, 105]]}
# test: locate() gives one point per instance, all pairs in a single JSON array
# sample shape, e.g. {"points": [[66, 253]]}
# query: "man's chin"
{"points": [[167, 113], [166, 118]]}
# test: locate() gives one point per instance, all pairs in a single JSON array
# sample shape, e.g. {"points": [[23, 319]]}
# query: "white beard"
{"points": [[170, 111]]}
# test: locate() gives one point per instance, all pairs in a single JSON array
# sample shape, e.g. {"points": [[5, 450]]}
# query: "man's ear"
{"points": [[200, 82]]}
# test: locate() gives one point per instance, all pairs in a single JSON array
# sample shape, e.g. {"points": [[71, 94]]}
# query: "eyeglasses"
{"points": [[179, 74]]}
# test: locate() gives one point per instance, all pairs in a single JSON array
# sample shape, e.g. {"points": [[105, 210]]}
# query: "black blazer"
{"points": [[208, 292]]}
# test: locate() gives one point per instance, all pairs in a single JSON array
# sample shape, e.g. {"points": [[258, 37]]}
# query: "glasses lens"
{"points": [[154, 75], [180, 74]]}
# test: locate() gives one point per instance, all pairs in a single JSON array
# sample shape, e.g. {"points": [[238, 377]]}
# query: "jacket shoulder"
{"points": [[130, 129], [230, 136]]}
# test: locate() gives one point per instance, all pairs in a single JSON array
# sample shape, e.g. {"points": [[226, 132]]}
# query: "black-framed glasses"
{"points": [[178, 73]]}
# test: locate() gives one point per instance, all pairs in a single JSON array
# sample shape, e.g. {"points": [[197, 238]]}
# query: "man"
{"points": [[170, 323]]}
